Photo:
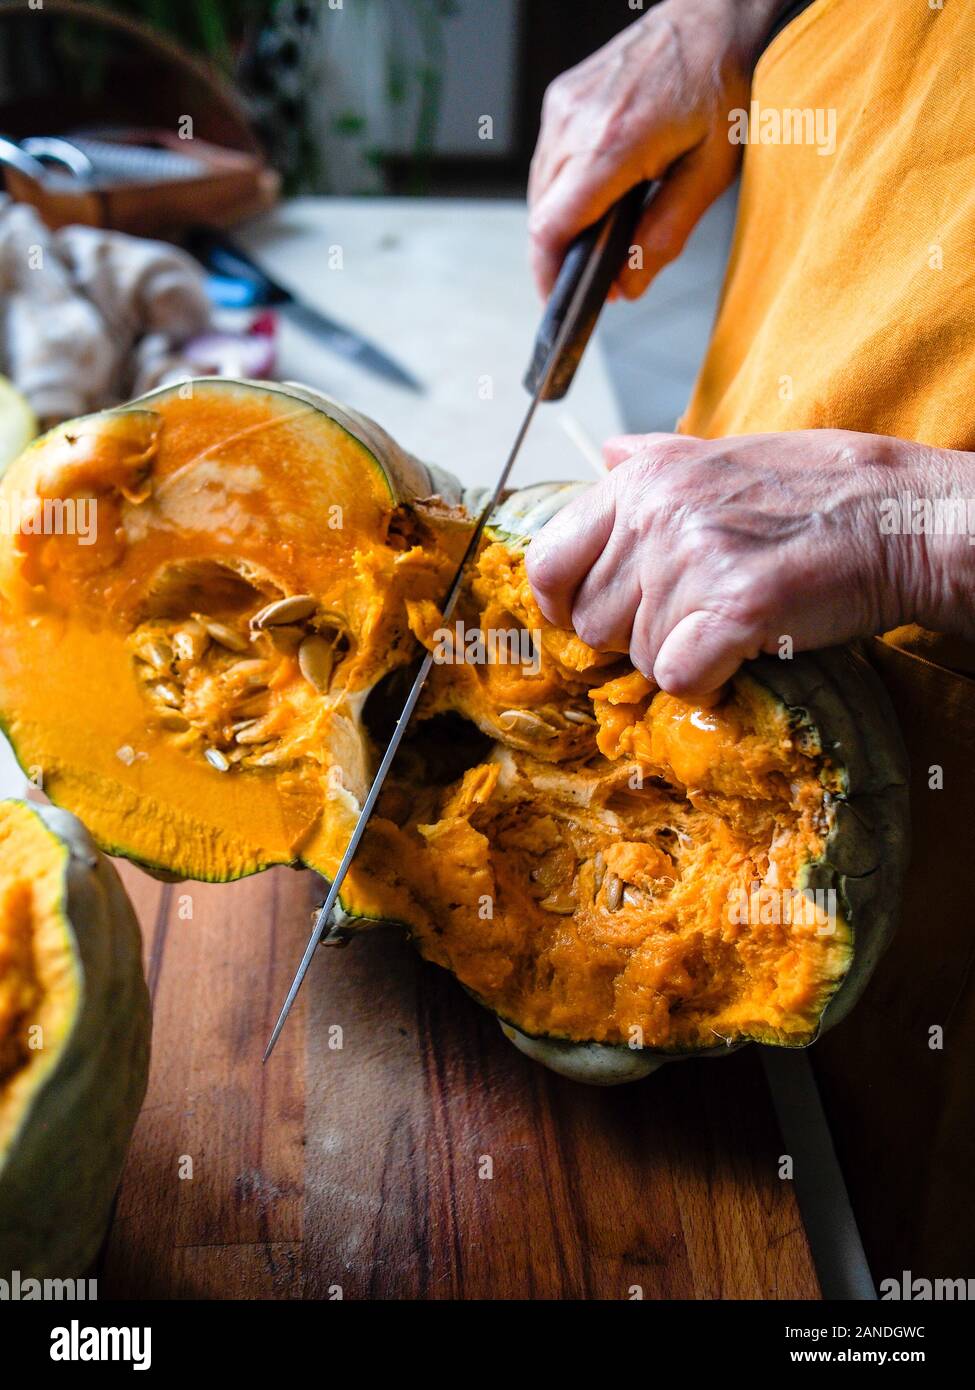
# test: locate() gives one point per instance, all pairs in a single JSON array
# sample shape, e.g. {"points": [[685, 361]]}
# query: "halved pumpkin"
{"points": [[74, 1039], [129, 657], [219, 671]]}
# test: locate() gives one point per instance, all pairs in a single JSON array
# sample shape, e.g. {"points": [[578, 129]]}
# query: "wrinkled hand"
{"points": [[655, 98], [694, 554]]}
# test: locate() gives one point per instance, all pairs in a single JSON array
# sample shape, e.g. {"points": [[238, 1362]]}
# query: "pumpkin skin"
{"points": [[513, 784], [67, 1109]]}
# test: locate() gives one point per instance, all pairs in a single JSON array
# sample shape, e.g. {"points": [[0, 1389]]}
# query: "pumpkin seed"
{"points": [[174, 722], [255, 733], [614, 892], [562, 903], [254, 705], [265, 760], [156, 653], [579, 716], [336, 937], [248, 673], [190, 641], [226, 636], [598, 870], [216, 759], [293, 609], [316, 661], [525, 724], [167, 693], [632, 896]]}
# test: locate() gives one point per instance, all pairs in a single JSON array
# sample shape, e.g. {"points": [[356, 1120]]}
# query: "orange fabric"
{"points": [[849, 300], [834, 313]]}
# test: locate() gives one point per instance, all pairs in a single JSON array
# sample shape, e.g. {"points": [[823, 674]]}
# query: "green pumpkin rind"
{"points": [[61, 1168], [409, 479], [526, 510], [592, 1063], [405, 476], [867, 849]]}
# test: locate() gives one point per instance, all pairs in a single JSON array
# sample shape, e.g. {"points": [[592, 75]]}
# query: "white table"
{"points": [[443, 286]]}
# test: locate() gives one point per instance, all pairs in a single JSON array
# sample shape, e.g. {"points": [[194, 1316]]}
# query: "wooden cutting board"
{"points": [[423, 1157]]}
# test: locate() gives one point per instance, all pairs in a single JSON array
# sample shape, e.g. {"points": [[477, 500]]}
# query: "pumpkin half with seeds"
{"points": [[620, 876]]}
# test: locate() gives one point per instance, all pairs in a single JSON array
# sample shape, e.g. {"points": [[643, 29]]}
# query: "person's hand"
{"points": [[655, 98], [696, 554]]}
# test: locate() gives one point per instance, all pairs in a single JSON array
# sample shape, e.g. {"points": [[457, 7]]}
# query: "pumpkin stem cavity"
{"points": [[231, 673]]}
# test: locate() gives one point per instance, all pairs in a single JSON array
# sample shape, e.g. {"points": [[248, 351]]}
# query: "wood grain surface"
{"points": [[424, 1158]]}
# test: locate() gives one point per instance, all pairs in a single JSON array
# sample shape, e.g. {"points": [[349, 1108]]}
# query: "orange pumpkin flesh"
{"points": [[506, 877], [39, 985], [567, 846]]}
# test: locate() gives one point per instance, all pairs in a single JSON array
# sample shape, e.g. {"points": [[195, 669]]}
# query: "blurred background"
{"points": [[290, 108], [353, 97]]}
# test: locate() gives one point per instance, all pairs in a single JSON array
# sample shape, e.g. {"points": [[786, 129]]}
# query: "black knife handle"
{"points": [[218, 253], [592, 262]]}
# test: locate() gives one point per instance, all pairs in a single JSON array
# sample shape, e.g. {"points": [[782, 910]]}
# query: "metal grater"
{"points": [[62, 161]]}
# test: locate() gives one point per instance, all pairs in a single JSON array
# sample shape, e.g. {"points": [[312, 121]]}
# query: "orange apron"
{"points": [[849, 302]]}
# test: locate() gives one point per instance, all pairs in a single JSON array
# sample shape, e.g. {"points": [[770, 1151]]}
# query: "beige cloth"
{"points": [[89, 318]]}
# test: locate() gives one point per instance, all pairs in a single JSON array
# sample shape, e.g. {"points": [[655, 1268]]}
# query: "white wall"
{"points": [[479, 66]]}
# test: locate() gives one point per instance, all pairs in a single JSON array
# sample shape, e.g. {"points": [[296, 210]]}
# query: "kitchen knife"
{"points": [[220, 255], [591, 265]]}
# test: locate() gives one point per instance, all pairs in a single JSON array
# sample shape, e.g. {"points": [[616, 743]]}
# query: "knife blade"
{"points": [[588, 270], [348, 344], [220, 255]]}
